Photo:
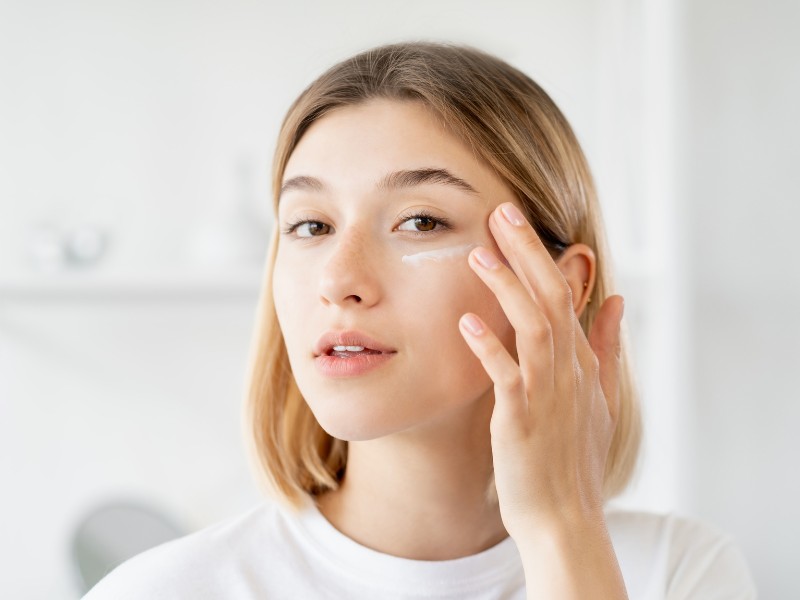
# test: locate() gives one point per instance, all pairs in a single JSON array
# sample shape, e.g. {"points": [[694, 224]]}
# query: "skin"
{"points": [[530, 398]]}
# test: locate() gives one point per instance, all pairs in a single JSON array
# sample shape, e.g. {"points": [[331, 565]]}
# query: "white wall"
{"points": [[156, 121], [739, 158]]}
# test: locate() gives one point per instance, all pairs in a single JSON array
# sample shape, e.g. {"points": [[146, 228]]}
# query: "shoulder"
{"points": [[684, 557], [200, 565]]}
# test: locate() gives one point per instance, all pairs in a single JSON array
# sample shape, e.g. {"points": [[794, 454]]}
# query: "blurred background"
{"points": [[135, 147]]}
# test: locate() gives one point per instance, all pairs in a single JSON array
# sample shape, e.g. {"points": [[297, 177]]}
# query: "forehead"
{"points": [[364, 142]]}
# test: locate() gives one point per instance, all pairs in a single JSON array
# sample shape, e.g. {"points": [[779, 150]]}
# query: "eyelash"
{"points": [[445, 224]]}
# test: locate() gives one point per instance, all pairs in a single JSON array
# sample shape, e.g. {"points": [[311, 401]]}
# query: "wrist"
{"points": [[557, 514], [571, 559], [560, 532]]}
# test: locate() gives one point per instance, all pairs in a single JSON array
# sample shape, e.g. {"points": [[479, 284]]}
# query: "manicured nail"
{"points": [[486, 258], [512, 214], [472, 324]]}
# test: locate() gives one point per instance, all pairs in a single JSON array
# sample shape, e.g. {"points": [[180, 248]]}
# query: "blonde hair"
{"points": [[515, 127]]}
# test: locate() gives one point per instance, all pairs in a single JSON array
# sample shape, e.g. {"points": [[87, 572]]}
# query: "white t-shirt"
{"points": [[270, 553]]}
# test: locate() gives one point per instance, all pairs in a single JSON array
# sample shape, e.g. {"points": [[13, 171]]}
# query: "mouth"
{"points": [[348, 353], [347, 344], [346, 364]]}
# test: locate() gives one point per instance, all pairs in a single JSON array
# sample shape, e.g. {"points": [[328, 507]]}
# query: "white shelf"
{"points": [[178, 283]]}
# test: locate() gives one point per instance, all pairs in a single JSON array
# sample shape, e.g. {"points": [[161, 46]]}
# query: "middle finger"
{"points": [[534, 334]]}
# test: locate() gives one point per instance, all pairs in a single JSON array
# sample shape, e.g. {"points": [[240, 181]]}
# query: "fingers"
{"points": [[534, 266], [604, 338], [510, 257], [537, 301], [511, 402], [534, 334], [535, 263]]}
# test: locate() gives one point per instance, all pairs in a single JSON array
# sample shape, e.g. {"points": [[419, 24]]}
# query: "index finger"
{"points": [[533, 264]]}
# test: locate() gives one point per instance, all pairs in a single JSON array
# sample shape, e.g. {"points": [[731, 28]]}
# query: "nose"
{"points": [[349, 274]]}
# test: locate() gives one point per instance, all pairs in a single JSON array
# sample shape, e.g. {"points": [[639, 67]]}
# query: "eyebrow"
{"points": [[392, 181]]}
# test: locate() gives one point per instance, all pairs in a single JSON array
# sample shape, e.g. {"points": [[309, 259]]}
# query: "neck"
{"points": [[421, 494]]}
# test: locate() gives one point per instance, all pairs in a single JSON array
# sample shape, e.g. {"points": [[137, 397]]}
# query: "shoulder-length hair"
{"points": [[515, 127]]}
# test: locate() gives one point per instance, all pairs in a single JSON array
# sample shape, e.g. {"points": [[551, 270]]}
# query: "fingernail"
{"points": [[486, 258], [472, 324], [512, 214]]}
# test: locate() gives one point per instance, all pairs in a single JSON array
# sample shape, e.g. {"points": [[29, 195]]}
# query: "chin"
{"points": [[350, 414], [353, 430], [354, 425]]}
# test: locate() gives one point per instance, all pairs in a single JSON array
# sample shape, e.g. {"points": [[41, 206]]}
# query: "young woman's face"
{"points": [[344, 270]]}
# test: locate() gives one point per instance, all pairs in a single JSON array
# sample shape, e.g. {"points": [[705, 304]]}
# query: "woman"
{"points": [[441, 399]]}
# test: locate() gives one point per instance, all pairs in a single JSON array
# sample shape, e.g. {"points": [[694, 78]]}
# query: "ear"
{"points": [[578, 265]]}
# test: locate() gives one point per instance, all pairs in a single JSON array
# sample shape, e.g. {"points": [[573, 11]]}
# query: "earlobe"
{"points": [[578, 265]]}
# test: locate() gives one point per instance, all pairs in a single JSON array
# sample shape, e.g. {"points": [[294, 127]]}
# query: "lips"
{"points": [[349, 338]]}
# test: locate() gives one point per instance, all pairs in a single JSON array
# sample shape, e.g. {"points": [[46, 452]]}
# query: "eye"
{"points": [[418, 223], [313, 226], [426, 221]]}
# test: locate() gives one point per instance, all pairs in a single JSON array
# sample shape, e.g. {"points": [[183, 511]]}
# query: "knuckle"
{"points": [[532, 243], [512, 381], [539, 330], [564, 294], [561, 296], [496, 350]]}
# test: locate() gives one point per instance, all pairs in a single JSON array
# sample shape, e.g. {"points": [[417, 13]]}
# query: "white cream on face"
{"points": [[435, 256]]}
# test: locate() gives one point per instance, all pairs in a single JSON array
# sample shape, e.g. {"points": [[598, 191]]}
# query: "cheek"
{"points": [[457, 289], [287, 294], [449, 291]]}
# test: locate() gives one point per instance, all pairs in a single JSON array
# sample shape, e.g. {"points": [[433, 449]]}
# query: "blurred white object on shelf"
{"points": [[85, 244], [46, 249], [55, 247]]}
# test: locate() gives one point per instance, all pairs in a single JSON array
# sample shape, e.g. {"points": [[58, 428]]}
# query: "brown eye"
{"points": [[422, 223], [425, 223], [315, 227]]}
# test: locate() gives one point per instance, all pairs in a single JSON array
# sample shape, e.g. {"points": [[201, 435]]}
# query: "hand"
{"points": [[556, 411]]}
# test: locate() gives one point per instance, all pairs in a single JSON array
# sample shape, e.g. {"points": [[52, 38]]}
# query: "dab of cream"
{"points": [[421, 258]]}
